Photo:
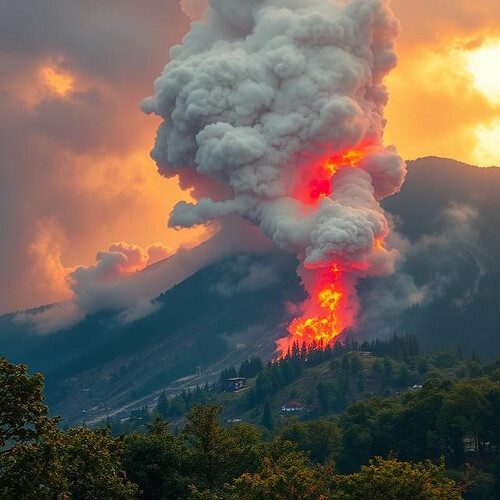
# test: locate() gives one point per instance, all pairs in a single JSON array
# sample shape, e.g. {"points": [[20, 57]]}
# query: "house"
{"points": [[234, 384], [365, 354], [292, 407]]}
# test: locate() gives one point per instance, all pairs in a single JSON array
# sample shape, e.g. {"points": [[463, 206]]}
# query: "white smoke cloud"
{"points": [[126, 278], [264, 89], [263, 94]]}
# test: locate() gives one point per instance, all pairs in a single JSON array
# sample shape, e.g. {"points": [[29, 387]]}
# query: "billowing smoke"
{"points": [[273, 110], [127, 278]]}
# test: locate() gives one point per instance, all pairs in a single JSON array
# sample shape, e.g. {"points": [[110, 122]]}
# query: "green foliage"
{"points": [[157, 462], [287, 478], [210, 462], [208, 445], [267, 417], [92, 465], [38, 461], [393, 480], [23, 414], [322, 439], [163, 405], [250, 368]]}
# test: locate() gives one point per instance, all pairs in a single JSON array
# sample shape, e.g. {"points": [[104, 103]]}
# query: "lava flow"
{"points": [[332, 305], [328, 313]]}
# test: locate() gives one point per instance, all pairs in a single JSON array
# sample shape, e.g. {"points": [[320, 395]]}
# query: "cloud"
{"points": [[122, 281], [441, 113], [48, 269], [79, 157], [431, 267], [158, 252]]}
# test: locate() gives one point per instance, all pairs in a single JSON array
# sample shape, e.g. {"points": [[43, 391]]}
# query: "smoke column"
{"points": [[273, 110]]}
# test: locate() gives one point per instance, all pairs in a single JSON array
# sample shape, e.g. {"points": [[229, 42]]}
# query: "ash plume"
{"points": [[273, 110]]}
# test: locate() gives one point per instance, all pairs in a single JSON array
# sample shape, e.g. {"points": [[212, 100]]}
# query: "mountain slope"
{"points": [[218, 315], [449, 213]]}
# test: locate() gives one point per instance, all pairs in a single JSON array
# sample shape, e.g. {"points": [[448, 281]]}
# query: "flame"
{"points": [[317, 181], [332, 305], [325, 320]]}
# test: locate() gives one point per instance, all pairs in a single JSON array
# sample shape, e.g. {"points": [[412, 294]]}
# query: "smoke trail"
{"points": [[273, 110]]}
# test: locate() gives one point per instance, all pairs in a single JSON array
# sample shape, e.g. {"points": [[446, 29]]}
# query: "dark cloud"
{"points": [[109, 38], [66, 158]]}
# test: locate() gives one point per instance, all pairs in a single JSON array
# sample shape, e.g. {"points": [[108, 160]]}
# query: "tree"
{"points": [[92, 465], [387, 368], [345, 363], [320, 438], [23, 415], [267, 417], [287, 478], [324, 440], [356, 365], [208, 445], [39, 461], [157, 462], [393, 480], [163, 405]]}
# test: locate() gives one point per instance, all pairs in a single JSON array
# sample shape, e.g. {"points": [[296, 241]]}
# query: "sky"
{"points": [[75, 174]]}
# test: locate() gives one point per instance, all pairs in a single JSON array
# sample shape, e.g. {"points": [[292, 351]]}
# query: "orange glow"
{"points": [[330, 309], [59, 82], [316, 182], [483, 65], [444, 93], [326, 320]]}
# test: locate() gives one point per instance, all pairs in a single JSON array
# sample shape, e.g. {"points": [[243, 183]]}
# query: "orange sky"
{"points": [[443, 100], [82, 179]]}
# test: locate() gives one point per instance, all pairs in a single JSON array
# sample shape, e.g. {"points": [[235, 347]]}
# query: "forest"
{"points": [[439, 440]]}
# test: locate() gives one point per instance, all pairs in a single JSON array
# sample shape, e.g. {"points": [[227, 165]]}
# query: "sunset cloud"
{"points": [[436, 106], [75, 172]]}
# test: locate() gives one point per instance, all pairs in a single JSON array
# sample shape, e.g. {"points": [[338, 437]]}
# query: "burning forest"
{"points": [[273, 110]]}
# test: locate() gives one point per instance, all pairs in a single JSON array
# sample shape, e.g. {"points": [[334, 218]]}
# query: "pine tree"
{"points": [[163, 405], [267, 417]]}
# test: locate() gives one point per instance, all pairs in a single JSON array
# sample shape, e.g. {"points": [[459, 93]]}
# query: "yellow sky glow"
{"points": [[484, 66], [58, 81], [445, 101]]}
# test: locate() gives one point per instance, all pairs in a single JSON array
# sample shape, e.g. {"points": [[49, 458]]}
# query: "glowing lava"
{"points": [[316, 182], [333, 305], [328, 312]]}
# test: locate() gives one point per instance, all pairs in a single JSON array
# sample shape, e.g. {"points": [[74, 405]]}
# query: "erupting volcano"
{"points": [[332, 306], [274, 111]]}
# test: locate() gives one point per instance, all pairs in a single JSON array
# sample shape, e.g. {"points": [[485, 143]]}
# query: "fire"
{"points": [[329, 310], [327, 320], [317, 181]]}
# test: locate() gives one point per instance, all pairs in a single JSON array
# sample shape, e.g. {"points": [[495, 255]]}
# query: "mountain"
{"points": [[445, 292], [451, 214]]}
